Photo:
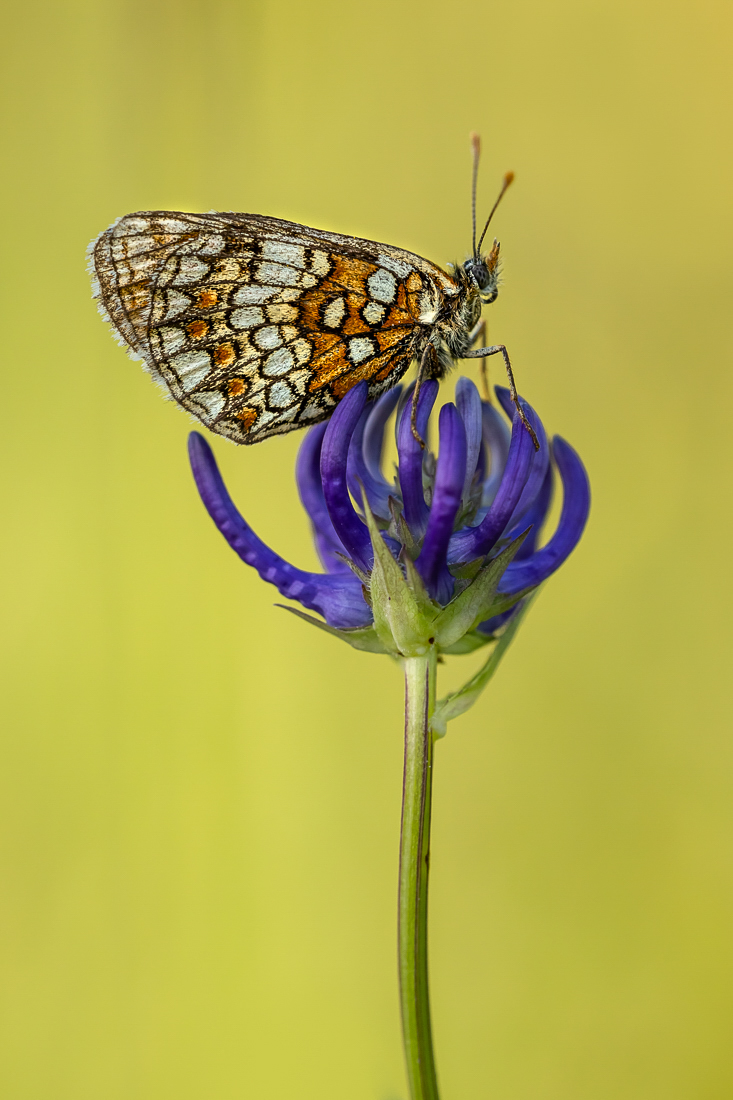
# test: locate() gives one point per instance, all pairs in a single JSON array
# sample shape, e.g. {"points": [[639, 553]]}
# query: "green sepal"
{"points": [[473, 605], [429, 608], [458, 702], [363, 637], [399, 530], [399, 619], [469, 643], [466, 571], [504, 602]]}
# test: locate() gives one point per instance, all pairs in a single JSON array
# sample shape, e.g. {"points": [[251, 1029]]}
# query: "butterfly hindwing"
{"points": [[257, 326]]}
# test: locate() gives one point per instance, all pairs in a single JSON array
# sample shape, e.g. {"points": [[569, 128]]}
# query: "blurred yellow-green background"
{"points": [[200, 797]]}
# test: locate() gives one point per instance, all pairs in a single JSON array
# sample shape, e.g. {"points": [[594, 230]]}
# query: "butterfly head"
{"points": [[483, 273]]}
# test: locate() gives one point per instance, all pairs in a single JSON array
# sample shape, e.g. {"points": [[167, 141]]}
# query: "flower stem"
{"points": [[420, 677]]}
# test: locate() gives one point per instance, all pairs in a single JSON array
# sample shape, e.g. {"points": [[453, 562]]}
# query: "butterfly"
{"points": [[258, 326]]}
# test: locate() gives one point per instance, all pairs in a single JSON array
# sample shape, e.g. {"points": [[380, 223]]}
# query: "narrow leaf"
{"points": [[363, 637], [458, 702]]}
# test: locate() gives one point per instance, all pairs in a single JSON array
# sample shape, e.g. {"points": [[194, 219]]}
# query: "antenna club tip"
{"points": [[508, 178], [475, 142]]}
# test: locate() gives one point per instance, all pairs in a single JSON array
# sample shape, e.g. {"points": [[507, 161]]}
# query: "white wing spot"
{"points": [[293, 254], [177, 303], [268, 337], [190, 270], [360, 348], [373, 313], [174, 226], [211, 401], [191, 367], [382, 285], [280, 395], [280, 362], [277, 273], [334, 313], [320, 264], [399, 267], [253, 295], [173, 339], [213, 245], [247, 317], [128, 226]]}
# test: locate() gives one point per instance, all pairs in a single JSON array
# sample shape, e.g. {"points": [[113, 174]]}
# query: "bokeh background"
{"points": [[200, 796]]}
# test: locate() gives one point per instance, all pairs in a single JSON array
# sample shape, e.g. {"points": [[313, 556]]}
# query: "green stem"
{"points": [[420, 676]]}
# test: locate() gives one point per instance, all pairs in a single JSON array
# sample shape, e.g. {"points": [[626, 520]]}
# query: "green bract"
{"points": [[408, 623]]}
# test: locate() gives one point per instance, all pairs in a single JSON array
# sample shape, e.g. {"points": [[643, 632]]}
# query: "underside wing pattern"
{"points": [[257, 326]]}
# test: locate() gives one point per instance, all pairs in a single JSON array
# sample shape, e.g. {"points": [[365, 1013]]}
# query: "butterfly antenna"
{"points": [[507, 181], [476, 148]]}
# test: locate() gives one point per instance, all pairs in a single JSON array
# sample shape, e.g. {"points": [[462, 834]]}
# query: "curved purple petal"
{"points": [[378, 491], [310, 488], [410, 454], [468, 404], [450, 475], [538, 470], [534, 518], [481, 463], [338, 599], [380, 413], [348, 526], [474, 542], [496, 436], [573, 517], [540, 459]]}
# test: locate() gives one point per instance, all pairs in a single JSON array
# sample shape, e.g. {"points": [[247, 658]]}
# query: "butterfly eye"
{"points": [[481, 276]]}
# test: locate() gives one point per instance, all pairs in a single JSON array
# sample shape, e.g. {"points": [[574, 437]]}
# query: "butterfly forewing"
{"points": [[257, 326]]}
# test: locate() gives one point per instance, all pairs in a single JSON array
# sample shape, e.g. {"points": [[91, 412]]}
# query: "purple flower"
{"points": [[444, 519]]}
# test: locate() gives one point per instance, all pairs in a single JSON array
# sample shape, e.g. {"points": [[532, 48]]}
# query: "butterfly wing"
{"points": [[257, 326]]}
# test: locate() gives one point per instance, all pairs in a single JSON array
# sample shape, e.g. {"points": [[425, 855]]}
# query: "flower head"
{"points": [[443, 555]]}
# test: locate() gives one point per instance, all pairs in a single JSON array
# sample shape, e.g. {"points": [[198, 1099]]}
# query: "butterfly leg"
{"points": [[479, 332], [422, 373], [480, 353]]}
